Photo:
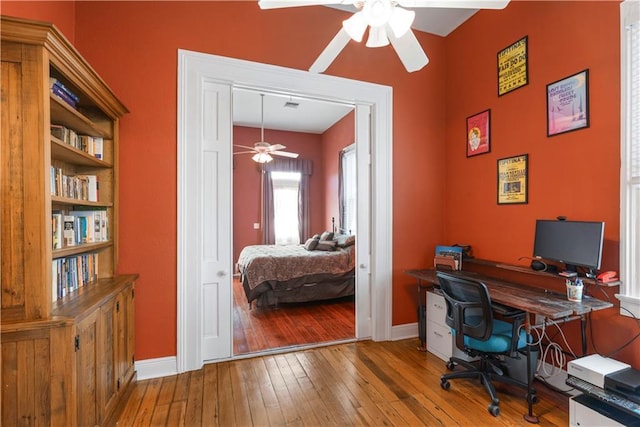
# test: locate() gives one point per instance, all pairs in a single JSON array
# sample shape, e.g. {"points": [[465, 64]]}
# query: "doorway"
{"points": [[204, 209]]}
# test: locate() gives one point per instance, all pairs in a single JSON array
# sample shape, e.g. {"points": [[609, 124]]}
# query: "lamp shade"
{"points": [[355, 26], [377, 37], [401, 20], [262, 158]]}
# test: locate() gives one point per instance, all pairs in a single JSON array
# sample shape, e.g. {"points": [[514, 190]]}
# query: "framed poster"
{"points": [[513, 184], [513, 68], [568, 104], [478, 133]]}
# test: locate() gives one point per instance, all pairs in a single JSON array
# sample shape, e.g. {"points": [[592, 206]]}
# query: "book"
{"points": [[448, 257], [69, 233], [63, 95], [56, 230], [55, 82]]}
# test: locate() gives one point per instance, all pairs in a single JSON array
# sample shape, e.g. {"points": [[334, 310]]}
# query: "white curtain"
{"points": [[286, 193]]}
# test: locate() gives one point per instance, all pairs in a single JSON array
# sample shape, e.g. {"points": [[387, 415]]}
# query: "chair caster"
{"points": [[494, 410], [446, 385], [451, 366]]}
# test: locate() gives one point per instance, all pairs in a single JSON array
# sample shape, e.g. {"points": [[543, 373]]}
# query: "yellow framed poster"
{"points": [[513, 184], [513, 69]]}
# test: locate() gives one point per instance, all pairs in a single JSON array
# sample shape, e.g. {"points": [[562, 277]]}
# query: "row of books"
{"points": [[62, 92], [92, 145], [79, 227], [71, 273], [80, 187]]}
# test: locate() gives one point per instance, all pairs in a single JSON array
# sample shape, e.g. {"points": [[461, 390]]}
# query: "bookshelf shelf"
{"points": [[67, 319]]}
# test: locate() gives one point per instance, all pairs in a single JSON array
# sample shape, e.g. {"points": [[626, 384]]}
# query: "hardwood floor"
{"points": [[363, 383], [287, 325]]}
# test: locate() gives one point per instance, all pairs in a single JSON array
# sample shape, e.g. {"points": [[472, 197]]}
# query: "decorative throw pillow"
{"points": [[311, 244], [326, 245], [327, 235], [344, 240]]}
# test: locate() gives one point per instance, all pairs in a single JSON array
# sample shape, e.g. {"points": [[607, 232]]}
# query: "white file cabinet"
{"points": [[581, 415], [439, 337]]}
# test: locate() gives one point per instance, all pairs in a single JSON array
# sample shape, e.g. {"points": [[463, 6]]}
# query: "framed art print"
{"points": [[513, 180], [513, 67], [479, 133], [568, 104]]}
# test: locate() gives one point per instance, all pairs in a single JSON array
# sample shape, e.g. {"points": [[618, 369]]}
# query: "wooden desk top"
{"points": [[533, 300]]}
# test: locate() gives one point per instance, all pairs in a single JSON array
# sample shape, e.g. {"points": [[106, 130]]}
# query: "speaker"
{"points": [[538, 265]]}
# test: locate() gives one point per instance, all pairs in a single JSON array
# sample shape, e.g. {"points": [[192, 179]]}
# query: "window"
{"points": [[286, 196], [348, 191], [630, 158]]}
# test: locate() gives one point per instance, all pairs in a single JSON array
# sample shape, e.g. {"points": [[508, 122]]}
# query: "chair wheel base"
{"points": [[446, 385], [451, 366], [494, 410]]}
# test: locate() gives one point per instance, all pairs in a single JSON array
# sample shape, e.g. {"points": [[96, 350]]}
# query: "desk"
{"points": [[532, 300]]}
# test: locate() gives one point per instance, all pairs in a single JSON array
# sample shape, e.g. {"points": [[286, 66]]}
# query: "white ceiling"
{"points": [[315, 116]]}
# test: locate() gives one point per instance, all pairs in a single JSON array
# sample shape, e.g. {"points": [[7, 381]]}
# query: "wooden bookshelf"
{"points": [[67, 357]]}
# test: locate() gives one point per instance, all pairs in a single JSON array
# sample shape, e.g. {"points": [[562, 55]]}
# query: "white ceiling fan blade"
{"points": [[456, 4], [329, 53], [284, 154], [276, 4], [243, 146], [244, 152], [275, 147], [409, 51]]}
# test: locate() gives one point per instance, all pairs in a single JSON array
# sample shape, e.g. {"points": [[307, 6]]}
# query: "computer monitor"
{"points": [[574, 243]]}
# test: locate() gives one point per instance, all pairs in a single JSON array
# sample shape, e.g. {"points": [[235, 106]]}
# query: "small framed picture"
{"points": [[568, 104], [513, 185], [479, 133], [513, 69]]}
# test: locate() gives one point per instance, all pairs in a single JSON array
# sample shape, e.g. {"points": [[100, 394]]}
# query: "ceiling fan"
{"points": [[387, 22], [261, 150]]}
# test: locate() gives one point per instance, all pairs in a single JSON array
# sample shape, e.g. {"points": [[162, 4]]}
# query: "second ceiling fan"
{"points": [[262, 150], [387, 22]]}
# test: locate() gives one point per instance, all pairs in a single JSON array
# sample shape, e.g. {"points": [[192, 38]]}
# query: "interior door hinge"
{"points": [[76, 342]]}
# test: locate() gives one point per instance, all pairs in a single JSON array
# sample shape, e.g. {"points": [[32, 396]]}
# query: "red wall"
{"points": [[334, 140], [439, 196], [246, 182], [61, 13]]}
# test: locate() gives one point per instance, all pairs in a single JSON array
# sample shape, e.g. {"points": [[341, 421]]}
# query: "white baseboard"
{"points": [[402, 332], [155, 368]]}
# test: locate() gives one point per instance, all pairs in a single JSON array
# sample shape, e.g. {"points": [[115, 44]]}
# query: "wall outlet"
{"points": [[256, 226]]}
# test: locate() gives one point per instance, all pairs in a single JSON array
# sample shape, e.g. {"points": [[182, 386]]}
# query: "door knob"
{"points": [[222, 273]]}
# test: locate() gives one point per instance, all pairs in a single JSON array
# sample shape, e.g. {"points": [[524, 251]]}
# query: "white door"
{"points": [[363, 221], [204, 187]]}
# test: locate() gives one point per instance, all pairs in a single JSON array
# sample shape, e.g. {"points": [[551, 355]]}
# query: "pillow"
{"points": [[344, 240], [311, 244], [327, 235], [326, 245], [316, 236]]}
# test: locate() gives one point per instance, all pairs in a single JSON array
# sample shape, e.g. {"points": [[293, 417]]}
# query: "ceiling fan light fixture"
{"points": [[355, 26], [261, 158], [401, 21], [377, 12], [377, 37]]}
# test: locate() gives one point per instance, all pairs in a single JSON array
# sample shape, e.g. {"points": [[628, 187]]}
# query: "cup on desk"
{"points": [[574, 290]]}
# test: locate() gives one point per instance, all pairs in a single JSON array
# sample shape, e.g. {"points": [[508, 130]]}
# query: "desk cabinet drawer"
{"points": [[436, 308], [439, 340]]}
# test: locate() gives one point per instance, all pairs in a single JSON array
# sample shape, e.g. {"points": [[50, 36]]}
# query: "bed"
{"points": [[272, 274]]}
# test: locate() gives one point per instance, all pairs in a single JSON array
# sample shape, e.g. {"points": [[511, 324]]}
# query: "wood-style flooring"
{"points": [[359, 383], [286, 325]]}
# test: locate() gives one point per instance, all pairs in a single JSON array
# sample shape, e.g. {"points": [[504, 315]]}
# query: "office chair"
{"points": [[470, 316]]}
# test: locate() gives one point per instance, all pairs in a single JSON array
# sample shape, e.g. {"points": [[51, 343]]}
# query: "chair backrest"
{"points": [[468, 307]]}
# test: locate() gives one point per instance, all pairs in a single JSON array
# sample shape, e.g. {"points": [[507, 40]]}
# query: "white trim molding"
{"points": [[629, 305], [155, 368]]}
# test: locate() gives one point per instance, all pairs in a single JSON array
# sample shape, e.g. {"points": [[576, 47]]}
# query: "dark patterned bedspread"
{"points": [[262, 263]]}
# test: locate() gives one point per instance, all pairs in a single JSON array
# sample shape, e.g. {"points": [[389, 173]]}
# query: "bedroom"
{"points": [[317, 131]]}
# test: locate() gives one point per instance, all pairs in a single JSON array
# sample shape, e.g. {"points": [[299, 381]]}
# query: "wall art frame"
{"points": [[479, 133], [568, 104], [513, 66], [513, 180]]}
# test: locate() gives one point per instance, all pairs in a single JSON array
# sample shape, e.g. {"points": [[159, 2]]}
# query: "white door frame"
{"points": [[240, 73]]}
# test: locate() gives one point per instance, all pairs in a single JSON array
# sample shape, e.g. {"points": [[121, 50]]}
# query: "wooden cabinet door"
{"points": [[87, 363], [126, 336], [108, 345]]}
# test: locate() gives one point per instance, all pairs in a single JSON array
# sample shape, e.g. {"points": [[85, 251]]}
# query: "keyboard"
{"points": [[613, 399]]}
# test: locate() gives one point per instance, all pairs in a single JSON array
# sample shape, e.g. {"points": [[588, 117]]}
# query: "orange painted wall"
{"points": [[246, 182], [334, 140], [60, 13]]}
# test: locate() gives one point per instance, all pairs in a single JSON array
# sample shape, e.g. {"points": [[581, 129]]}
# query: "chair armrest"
{"points": [[506, 311]]}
